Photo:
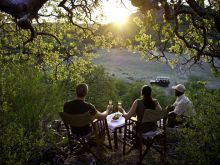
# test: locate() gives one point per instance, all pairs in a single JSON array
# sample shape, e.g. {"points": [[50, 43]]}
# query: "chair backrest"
{"points": [[76, 120], [151, 115], [100, 127]]}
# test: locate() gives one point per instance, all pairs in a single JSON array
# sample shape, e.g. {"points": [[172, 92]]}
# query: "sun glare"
{"points": [[117, 12], [117, 15]]}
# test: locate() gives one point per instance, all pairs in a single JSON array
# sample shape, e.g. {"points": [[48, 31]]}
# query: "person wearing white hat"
{"points": [[181, 108]]}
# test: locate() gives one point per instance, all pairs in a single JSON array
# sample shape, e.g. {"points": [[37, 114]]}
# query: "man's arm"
{"points": [[179, 109], [102, 115]]}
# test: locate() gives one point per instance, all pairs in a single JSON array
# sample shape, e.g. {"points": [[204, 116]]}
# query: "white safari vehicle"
{"points": [[161, 80]]}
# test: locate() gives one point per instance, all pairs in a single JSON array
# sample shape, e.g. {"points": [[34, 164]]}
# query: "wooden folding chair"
{"points": [[133, 135], [100, 130]]}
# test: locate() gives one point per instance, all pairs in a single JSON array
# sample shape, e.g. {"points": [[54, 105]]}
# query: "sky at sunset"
{"points": [[115, 11]]}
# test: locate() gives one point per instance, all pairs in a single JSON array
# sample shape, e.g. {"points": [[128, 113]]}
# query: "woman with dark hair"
{"points": [[141, 107]]}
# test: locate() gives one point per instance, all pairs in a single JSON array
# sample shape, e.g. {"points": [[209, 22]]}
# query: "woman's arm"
{"points": [[157, 105], [131, 112]]}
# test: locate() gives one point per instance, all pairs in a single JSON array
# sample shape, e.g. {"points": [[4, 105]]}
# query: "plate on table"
{"points": [[116, 117]]}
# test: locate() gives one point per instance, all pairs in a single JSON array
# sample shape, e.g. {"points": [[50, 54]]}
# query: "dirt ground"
{"points": [[116, 157], [130, 67]]}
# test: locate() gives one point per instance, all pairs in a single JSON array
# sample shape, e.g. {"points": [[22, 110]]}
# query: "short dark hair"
{"points": [[81, 90]]}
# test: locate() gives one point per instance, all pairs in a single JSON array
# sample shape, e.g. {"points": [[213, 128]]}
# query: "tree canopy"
{"points": [[189, 29]]}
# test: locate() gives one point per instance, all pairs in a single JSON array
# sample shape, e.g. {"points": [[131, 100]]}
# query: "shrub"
{"points": [[28, 97], [200, 143]]}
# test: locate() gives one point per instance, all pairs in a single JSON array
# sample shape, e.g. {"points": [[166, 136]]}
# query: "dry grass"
{"points": [[129, 67]]}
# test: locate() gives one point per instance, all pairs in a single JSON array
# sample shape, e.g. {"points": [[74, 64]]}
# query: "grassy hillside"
{"points": [[129, 66]]}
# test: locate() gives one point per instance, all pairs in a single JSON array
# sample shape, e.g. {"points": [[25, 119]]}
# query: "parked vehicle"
{"points": [[161, 80]]}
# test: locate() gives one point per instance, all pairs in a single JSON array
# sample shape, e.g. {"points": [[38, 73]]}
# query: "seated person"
{"points": [[181, 108], [140, 106], [80, 106]]}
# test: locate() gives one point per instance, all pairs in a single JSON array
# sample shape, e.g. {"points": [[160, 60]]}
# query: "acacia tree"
{"points": [[56, 44], [190, 28]]}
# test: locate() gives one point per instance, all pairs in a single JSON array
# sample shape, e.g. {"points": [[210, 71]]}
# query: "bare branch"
{"points": [[205, 13], [204, 35], [48, 34], [31, 37]]}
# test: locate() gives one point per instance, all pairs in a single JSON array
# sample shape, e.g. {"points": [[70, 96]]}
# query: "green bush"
{"points": [[102, 88], [28, 97], [200, 143], [164, 100], [133, 91]]}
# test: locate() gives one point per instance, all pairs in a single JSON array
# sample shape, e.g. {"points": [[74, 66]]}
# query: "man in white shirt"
{"points": [[181, 108]]}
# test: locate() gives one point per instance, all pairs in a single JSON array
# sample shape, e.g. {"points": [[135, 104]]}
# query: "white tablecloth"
{"points": [[112, 124]]}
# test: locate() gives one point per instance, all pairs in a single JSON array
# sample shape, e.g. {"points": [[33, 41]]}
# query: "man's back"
{"points": [[79, 107]]}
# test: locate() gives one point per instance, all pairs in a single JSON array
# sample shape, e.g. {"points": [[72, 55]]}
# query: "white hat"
{"points": [[179, 87]]}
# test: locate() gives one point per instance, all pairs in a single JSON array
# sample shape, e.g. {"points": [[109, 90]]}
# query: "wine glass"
{"points": [[110, 104], [119, 105]]}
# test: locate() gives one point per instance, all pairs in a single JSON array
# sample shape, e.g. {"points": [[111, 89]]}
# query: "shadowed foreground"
{"points": [[115, 157], [60, 154]]}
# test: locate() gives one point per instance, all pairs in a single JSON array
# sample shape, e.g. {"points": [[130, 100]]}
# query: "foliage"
{"points": [[133, 91], [102, 88], [189, 29], [69, 60], [164, 100], [199, 143], [35, 76], [28, 99]]}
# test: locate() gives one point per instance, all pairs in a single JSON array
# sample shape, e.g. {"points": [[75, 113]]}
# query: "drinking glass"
{"points": [[119, 105]]}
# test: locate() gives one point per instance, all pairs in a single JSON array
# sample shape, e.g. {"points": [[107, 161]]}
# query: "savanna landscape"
{"points": [[130, 66], [48, 47]]}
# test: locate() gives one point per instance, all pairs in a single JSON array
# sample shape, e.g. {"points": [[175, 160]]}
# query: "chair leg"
{"points": [[149, 144], [161, 152], [109, 141], [140, 150], [71, 146], [108, 134], [124, 142], [88, 149], [132, 148], [115, 139]]}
